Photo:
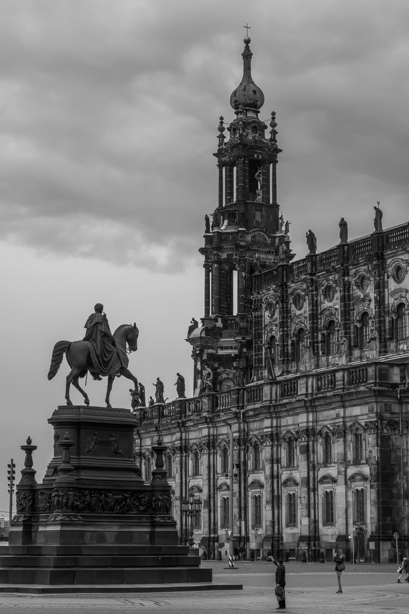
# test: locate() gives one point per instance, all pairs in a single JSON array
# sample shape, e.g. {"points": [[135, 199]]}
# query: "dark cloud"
{"points": [[109, 114]]}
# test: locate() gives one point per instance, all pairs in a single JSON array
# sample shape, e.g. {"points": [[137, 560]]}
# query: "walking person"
{"points": [[280, 583], [404, 569], [339, 568]]}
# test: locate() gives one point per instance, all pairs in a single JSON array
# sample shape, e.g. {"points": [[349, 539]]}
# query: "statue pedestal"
{"points": [[93, 521]]}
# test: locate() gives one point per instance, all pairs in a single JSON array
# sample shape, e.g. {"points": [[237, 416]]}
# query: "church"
{"points": [[304, 362]]}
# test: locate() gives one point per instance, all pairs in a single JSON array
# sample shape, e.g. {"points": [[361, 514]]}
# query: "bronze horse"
{"points": [[79, 359]]}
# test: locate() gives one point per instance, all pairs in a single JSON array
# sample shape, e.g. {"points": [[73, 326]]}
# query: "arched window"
{"points": [[359, 505], [224, 513], [299, 345], [291, 509], [327, 449], [256, 457], [196, 463], [328, 515], [364, 330], [257, 519], [225, 460], [331, 345], [169, 466], [401, 322]]}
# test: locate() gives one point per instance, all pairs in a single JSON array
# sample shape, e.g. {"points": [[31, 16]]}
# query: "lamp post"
{"points": [[191, 508]]}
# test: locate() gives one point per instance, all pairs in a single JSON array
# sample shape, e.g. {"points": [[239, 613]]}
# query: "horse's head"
{"points": [[132, 338]]}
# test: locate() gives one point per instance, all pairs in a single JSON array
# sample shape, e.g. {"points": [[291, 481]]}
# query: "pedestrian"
{"points": [[404, 569], [339, 568], [280, 583]]}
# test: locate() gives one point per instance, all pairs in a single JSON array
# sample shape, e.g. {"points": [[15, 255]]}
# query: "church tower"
{"points": [[246, 235]]}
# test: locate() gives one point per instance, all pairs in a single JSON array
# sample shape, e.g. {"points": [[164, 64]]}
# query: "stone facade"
{"points": [[306, 361]]}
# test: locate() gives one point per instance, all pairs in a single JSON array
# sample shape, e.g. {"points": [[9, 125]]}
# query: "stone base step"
{"points": [[22, 561], [37, 589], [104, 576], [96, 550]]}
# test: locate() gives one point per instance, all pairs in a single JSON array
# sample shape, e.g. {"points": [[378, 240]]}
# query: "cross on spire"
{"points": [[247, 28]]}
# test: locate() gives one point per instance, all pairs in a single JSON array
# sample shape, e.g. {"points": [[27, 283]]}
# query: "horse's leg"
{"points": [[78, 387], [109, 388], [70, 377], [126, 373]]}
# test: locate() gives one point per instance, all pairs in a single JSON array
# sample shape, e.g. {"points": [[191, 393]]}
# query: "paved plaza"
{"points": [[310, 588]]}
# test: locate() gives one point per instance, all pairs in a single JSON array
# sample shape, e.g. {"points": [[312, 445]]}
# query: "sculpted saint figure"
{"points": [[378, 217], [311, 242], [193, 325], [281, 223], [207, 224], [104, 354], [159, 390], [151, 401], [343, 230], [207, 377], [287, 228], [180, 386]]}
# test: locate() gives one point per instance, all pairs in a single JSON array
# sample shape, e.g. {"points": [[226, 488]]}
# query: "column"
{"points": [[216, 287], [229, 184], [240, 180], [266, 183], [220, 186], [207, 267], [274, 183], [241, 287]]}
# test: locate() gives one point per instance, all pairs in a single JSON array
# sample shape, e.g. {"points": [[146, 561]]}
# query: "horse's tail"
{"points": [[56, 359]]}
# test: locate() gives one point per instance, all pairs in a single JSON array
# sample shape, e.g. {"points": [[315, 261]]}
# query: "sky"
{"points": [[108, 122]]}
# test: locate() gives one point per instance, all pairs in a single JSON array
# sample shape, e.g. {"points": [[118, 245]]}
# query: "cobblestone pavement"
{"points": [[311, 588], [376, 600]]}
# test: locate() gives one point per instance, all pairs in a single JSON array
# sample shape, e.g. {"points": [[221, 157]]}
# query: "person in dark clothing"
{"points": [[339, 568], [280, 583]]}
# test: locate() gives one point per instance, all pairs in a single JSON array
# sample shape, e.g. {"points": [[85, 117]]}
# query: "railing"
{"points": [[150, 414], [358, 248], [395, 235], [326, 381], [194, 406], [300, 268], [357, 376], [328, 259], [254, 394], [223, 400], [170, 411], [289, 388]]}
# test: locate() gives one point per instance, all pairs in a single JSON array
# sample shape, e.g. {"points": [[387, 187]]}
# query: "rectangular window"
{"points": [[257, 511], [256, 457], [148, 470], [290, 453], [224, 520], [359, 505], [358, 448], [326, 449], [329, 507], [225, 460], [291, 509]]}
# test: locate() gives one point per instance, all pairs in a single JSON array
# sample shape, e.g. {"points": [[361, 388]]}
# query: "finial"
{"points": [[29, 441], [221, 129], [378, 202], [247, 39], [273, 125]]}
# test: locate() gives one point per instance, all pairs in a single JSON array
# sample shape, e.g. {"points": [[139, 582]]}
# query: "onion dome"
{"points": [[247, 94]]}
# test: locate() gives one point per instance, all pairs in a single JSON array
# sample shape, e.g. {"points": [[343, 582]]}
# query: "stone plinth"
{"points": [[92, 520]]}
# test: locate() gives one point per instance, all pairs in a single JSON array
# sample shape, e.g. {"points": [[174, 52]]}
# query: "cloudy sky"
{"points": [[108, 122]]}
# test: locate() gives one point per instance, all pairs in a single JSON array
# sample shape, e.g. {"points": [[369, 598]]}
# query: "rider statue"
{"points": [[103, 350]]}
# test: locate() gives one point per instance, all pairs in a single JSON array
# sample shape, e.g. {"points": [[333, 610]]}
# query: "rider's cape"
{"points": [[106, 358]]}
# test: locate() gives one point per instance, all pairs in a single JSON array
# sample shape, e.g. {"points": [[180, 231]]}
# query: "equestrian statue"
{"points": [[100, 353]]}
